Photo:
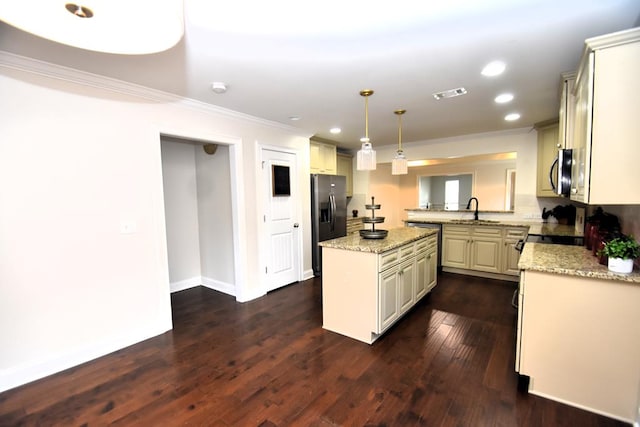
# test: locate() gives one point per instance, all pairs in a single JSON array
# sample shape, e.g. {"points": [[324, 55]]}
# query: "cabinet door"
{"points": [[388, 298], [547, 153], [432, 268], [322, 158], [406, 285], [511, 258], [422, 274], [455, 251], [485, 254], [581, 156], [345, 168]]}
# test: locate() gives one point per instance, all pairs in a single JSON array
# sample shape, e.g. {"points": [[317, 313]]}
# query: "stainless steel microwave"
{"points": [[560, 172]]}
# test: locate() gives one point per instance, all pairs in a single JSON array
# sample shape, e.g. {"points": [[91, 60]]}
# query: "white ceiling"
{"points": [[288, 58]]}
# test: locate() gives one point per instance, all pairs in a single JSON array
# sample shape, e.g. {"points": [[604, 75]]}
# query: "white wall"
{"points": [[80, 160], [215, 219], [181, 213]]}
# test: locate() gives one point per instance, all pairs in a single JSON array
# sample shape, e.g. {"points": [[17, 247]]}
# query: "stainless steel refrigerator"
{"points": [[328, 212]]}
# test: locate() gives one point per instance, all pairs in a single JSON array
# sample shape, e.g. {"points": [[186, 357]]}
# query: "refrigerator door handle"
{"points": [[331, 212]]}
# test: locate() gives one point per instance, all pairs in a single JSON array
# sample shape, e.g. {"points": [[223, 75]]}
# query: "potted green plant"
{"points": [[621, 252]]}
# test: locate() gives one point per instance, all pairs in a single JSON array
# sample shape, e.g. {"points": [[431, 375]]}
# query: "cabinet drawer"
{"points": [[421, 245], [515, 233], [487, 231], [407, 251], [388, 259], [456, 229]]}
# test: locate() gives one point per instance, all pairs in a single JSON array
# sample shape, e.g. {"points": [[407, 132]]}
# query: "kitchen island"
{"points": [[578, 339], [369, 284]]}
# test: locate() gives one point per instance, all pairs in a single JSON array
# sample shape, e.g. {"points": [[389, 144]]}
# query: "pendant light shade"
{"points": [[366, 157], [114, 26], [399, 162]]}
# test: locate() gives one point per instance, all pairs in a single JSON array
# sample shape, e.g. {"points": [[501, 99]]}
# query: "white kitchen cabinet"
{"points": [[455, 246], [567, 110], [485, 249], [547, 153], [578, 341], [365, 293], [323, 158], [510, 255], [426, 267], [605, 139], [345, 168]]}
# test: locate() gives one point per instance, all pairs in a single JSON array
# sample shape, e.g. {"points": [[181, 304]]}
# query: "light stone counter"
{"points": [[546, 229], [396, 238], [569, 260]]}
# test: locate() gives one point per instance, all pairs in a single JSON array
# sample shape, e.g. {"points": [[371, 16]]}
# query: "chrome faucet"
{"points": [[475, 214]]}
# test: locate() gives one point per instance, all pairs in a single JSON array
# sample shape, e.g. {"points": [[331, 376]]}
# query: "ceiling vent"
{"points": [[451, 93]]}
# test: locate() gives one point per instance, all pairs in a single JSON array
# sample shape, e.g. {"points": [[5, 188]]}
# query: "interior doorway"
{"points": [[197, 187]]}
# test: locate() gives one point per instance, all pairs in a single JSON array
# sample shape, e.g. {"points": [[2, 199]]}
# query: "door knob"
{"points": [[296, 225]]}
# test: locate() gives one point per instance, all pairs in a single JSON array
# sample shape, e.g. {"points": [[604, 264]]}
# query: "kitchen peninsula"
{"points": [[369, 284]]}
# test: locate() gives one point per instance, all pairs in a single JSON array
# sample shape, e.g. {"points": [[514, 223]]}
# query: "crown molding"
{"points": [[72, 75]]}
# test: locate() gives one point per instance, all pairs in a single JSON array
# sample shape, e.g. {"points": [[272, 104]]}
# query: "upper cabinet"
{"points": [[606, 148], [345, 168], [323, 158], [547, 151], [567, 111]]}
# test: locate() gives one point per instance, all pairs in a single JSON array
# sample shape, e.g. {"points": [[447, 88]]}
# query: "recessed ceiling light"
{"points": [[494, 68], [335, 130], [504, 98], [450, 93], [294, 118], [511, 117]]}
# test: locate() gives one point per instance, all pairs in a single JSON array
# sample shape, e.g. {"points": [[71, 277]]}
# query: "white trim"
{"points": [[308, 274], [23, 63], [583, 407], [51, 364], [260, 148], [181, 285], [238, 215], [217, 285]]}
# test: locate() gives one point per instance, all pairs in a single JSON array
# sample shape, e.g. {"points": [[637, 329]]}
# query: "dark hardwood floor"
{"points": [[268, 362]]}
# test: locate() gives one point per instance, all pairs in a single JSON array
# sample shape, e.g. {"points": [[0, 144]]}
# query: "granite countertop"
{"points": [[569, 260], [535, 228], [396, 238], [450, 211]]}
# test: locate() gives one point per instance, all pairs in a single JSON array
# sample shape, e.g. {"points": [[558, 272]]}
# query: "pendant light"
{"points": [[399, 163], [116, 26], [366, 157]]}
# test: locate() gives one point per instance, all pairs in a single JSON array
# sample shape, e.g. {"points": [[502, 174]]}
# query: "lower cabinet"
{"points": [[405, 280], [482, 248]]}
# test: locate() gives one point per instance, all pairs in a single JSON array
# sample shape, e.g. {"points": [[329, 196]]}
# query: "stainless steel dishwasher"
{"points": [[433, 225]]}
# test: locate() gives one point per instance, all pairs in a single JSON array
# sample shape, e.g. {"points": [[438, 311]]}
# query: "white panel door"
{"points": [[281, 206]]}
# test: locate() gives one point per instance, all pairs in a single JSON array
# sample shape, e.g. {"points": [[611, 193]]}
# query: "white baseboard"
{"points": [[217, 285], [185, 284], [19, 375], [308, 274]]}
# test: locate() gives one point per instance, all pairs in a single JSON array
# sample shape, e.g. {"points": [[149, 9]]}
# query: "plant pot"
{"points": [[619, 265]]}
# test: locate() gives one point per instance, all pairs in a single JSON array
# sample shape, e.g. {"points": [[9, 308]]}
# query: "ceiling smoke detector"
{"points": [[219, 87], [451, 93]]}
